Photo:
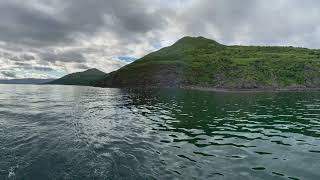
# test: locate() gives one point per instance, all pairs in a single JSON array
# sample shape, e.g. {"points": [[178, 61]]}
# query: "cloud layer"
{"points": [[49, 38]]}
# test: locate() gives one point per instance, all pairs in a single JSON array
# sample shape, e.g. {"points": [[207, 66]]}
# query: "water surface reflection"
{"points": [[82, 132]]}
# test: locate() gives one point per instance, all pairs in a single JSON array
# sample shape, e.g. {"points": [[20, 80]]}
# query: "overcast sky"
{"points": [[50, 38]]}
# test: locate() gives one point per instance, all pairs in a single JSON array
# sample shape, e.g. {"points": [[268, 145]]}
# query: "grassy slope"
{"points": [[86, 78], [206, 63]]}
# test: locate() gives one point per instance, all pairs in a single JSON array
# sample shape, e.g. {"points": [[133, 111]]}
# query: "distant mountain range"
{"points": [[25, 81], [201, 62]]}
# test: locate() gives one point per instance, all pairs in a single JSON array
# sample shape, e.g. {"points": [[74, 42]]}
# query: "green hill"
{"points": [[201, 62], [86, 78]]}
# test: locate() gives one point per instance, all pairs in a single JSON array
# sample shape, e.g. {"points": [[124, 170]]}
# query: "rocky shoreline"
{"points": [[284, 89]]}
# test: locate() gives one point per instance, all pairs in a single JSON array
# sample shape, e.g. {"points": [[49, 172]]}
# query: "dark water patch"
{"points": [[262, 153], [172, 135], [177, 172], [293, 178], [216, 174], [204, 154], [259, 168], [281, 143], [236, 157], [165, 141], [185, 157], [314, 151], [278, 174]]}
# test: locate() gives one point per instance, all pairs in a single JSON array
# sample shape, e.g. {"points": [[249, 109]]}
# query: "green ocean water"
{"points": [[70, 132]]}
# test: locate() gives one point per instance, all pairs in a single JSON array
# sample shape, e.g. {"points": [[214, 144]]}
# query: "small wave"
{"points": [[185, 157], [259, 168]]}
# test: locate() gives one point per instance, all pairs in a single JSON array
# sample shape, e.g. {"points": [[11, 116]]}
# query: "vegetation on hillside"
{"points": [[86, 78], [205, 63]]}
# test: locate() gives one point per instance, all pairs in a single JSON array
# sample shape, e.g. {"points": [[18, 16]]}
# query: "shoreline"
{"points": [[236, 90], [209, 89]]}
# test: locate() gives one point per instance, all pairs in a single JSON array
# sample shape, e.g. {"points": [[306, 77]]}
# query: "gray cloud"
{"points": [[27, 57], [27, 66], [21, 57], [274, 22], [67, 56], [9, 74], [27, 25], [34, 25]]}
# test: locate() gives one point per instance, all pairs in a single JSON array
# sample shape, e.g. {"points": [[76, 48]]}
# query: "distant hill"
{"points": [[25, 81], [201, 62], [86, 78]]}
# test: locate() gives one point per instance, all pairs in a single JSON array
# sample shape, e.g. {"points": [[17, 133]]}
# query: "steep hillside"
{"points": [[86, 78], [203, 62]]}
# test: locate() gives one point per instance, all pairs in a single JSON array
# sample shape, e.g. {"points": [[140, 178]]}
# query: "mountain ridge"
{"points": [[86, 78], [202, 62]]}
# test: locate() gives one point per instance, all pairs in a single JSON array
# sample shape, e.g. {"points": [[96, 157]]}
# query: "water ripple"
{"points": [[65, 132]]}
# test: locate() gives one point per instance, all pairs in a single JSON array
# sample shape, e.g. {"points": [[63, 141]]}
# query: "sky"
{"points": [[51, 38]]}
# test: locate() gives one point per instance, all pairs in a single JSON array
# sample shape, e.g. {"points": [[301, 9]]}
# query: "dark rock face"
{"points": [[155, 76]]}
